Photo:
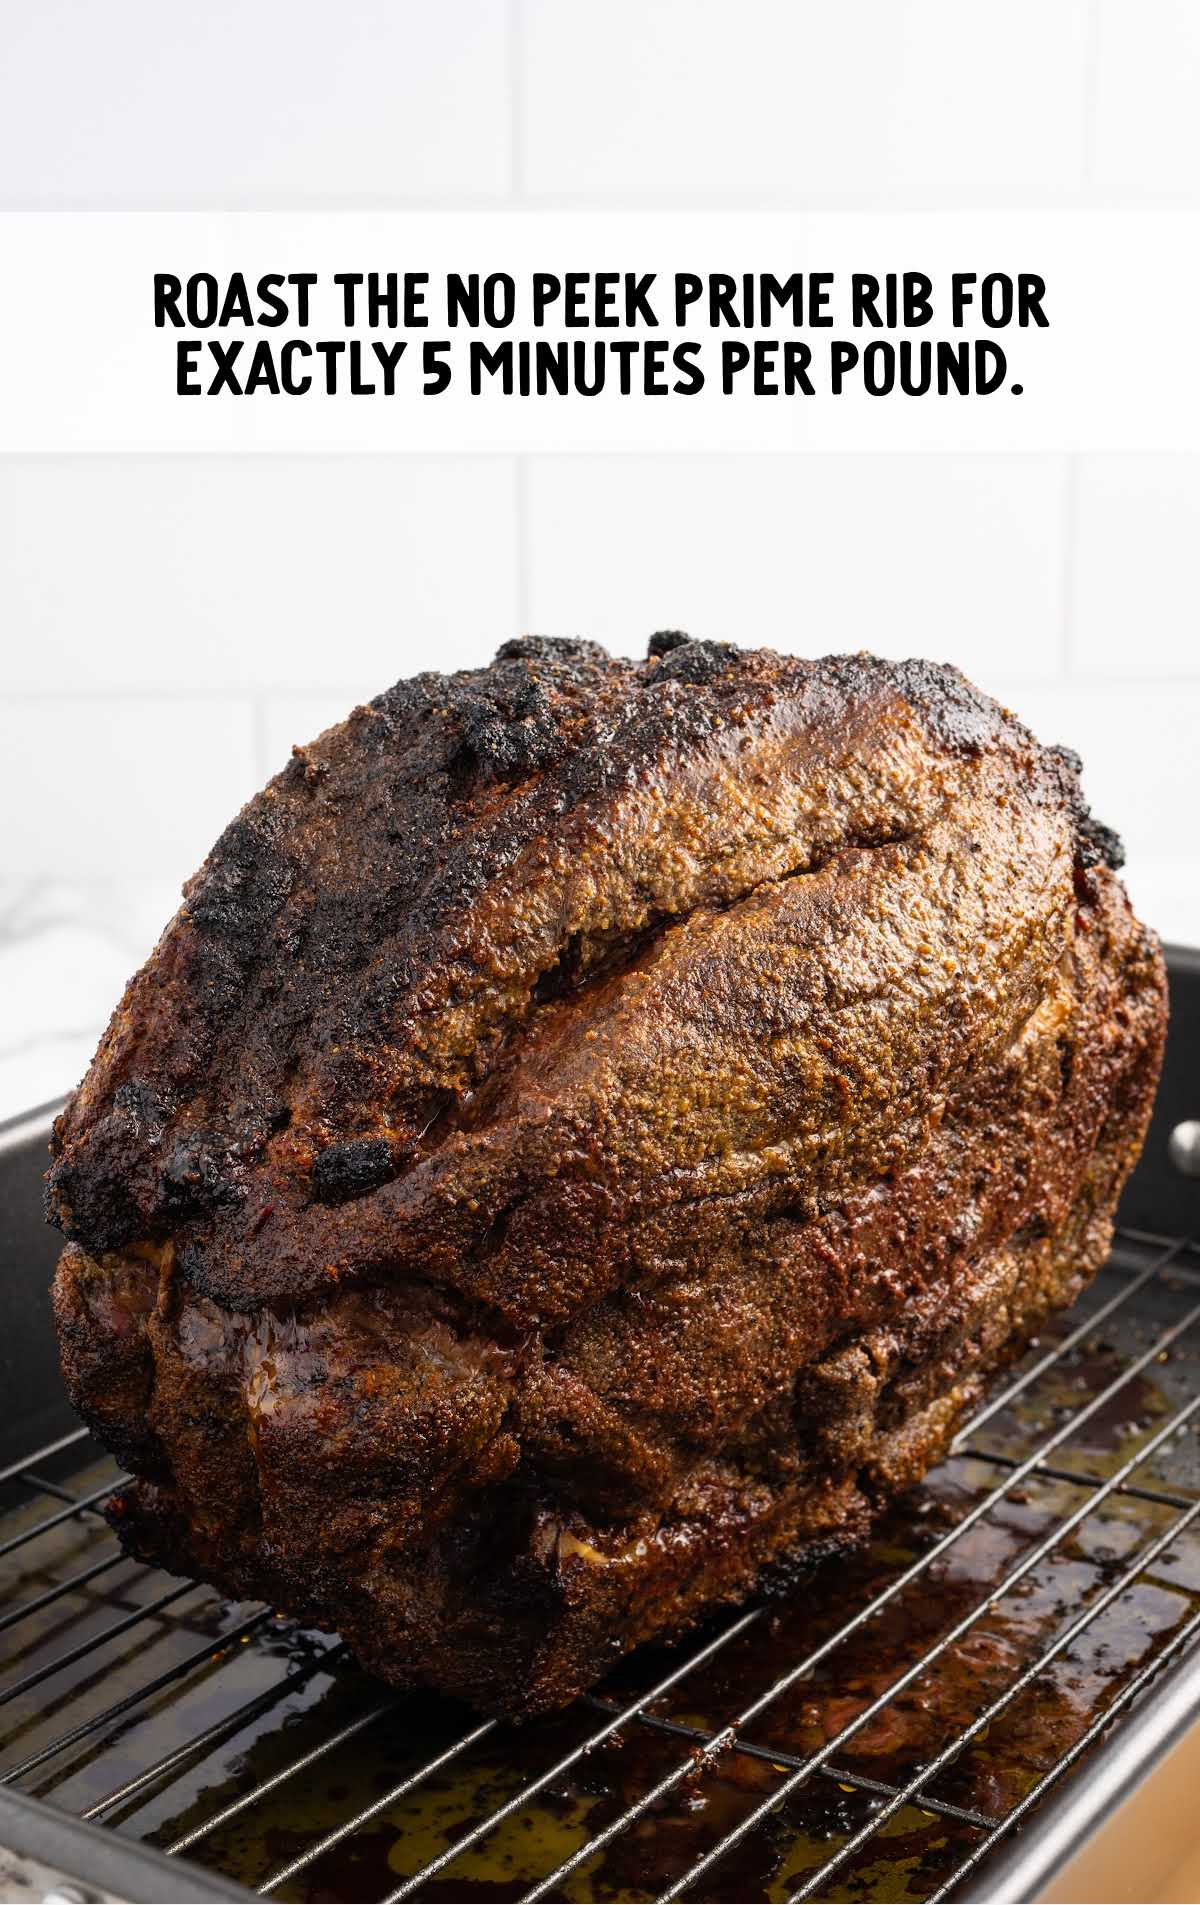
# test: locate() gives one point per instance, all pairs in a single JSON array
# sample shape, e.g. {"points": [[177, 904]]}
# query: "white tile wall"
{"points": [[289, 719], [1137, 583], [1139, 750], [253, 103], [960, 558], [1147, 122], [168, 627], [200, 574], [117, 787], [700, 100]]}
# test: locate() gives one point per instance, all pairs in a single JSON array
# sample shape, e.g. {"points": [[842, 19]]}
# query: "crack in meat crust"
{"points": [[585, 1138]]}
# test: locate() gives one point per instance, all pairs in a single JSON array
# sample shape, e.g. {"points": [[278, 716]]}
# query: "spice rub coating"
{"points": [[586, 1136]]}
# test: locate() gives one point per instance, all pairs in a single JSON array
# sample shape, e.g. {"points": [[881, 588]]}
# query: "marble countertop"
{"points": [[66, 951]]}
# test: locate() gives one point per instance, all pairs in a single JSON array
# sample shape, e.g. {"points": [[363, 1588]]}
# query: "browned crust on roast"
{"points": [[584, 1139]]}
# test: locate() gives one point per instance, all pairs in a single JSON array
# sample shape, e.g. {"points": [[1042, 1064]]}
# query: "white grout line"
{"points": [[523, 554], [258, 722], [1069, 570], [1091, 93], [516, 101]]}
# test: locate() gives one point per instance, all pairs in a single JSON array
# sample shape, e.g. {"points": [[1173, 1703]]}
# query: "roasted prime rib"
{"points": [[585, 1138]]}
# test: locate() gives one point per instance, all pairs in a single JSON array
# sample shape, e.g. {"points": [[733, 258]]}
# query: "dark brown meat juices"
{"points": [[584, 1139]]}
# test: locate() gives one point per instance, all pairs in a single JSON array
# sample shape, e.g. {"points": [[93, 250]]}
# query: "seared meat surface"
{"points": [[585, 1138]]}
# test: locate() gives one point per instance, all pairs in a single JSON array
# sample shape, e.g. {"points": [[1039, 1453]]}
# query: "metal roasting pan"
{"points": [[956, 1714]]}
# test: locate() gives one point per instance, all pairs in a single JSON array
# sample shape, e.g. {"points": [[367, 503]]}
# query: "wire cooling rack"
{"points": [[879, 1733]]}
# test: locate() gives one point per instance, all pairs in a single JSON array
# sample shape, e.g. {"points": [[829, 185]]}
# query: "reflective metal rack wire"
{"points": [[882, 1733]]}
